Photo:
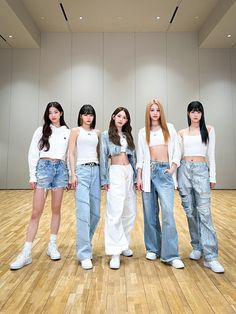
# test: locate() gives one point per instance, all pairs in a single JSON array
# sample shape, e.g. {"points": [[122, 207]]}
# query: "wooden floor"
{"points": [[139, 286]]}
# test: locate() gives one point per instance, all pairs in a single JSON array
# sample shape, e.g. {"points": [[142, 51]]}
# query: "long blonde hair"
{"points": [[162, 120]]}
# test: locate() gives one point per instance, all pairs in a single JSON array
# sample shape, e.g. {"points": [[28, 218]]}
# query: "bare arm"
{"points": [[98, 146], [72, 145], [139, 180]]}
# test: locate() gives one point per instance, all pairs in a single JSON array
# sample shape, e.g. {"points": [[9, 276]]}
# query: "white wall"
{"points": [[108, 70], [5, 107]]}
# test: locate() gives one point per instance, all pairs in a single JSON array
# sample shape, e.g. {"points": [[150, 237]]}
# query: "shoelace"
{"points": [[54, 248]]}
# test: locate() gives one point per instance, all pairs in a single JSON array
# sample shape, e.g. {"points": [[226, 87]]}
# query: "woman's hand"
{"points": [[212, 185], [106, 187], [139, 185], [33, 185], [74, 181], [68, 187], [170, 171]]}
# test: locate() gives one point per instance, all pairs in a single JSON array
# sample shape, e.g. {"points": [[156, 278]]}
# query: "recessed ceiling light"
{"points": [[196, 17], [42, 17], [158, 17], [119, 17], [229, 35], [81, 17], [10, 36]]}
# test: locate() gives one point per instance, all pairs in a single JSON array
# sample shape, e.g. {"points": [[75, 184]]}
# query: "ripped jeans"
{"points": [[194, 189]]}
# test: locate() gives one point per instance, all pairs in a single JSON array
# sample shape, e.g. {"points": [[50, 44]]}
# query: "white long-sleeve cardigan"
{"points": [[143, 155]]}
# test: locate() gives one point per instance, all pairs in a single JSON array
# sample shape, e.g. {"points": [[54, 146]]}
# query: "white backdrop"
{"points": [[108, 70]]}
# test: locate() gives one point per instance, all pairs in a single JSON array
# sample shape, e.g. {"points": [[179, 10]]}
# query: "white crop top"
{"points": [[123, 143], [58, 147], [87, 142], [156, 138], [191, 145]]}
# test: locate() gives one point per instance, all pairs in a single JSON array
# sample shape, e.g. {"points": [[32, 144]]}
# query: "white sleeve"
{"points": [[34, 154], [176, 148], [211, 155], [140, 150], [181, 145]]}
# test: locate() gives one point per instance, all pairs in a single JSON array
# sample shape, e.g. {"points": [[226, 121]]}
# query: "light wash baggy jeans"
{"points": [[87, 208], [120, 209], [163, 241], [194, 189]]}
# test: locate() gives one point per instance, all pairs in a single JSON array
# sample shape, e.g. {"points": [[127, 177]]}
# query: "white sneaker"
{"points": [[53, 251], [22, 260], [115, 262], [151, 256], [86, 264], [195, 255], [215, 266], [127, 253], [176, 263]]}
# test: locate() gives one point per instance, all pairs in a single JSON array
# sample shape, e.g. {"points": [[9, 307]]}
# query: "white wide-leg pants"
{"points": [[120, 209]]}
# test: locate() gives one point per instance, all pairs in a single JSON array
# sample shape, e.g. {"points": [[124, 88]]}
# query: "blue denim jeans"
{"points": [[52, 174], [162, 241], [87, 208], [194, 189]]}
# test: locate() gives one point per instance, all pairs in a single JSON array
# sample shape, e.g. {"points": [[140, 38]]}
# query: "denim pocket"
{"points": [[166, 173]]}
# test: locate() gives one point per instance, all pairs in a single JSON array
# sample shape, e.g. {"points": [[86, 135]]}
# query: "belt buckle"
{"points": [[92, 164]]}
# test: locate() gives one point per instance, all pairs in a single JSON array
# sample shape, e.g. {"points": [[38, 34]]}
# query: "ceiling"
{"points": [[25, 20]]}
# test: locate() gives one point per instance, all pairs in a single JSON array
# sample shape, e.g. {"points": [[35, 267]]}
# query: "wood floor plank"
{"points": [[139, 286]]}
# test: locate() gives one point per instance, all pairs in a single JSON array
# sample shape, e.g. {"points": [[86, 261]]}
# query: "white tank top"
{"points": [[123, 143], [193, 146], [87, 142], [156, 138]]}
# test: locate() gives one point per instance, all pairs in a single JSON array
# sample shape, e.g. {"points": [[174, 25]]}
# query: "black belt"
{"points": [[92, 164]]}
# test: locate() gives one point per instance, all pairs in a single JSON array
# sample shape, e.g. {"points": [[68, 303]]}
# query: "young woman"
{"points": [[118, 180], [195, 180], [86, 181], [48, 170], [158, 158]]}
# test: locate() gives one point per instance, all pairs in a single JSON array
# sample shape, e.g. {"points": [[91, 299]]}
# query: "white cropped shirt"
{"points": [[123, 144], [191, 145], [58, 147], [156, 138]]}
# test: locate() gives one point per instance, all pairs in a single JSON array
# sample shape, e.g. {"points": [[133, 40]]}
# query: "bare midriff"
{"points": [[121, 159], [159, 153], [195, 158]]}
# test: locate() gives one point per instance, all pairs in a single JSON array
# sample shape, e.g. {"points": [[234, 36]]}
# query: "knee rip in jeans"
{"points": [[187, 209], [204, 211], [204, 202], [186, 205], [205, 195]]}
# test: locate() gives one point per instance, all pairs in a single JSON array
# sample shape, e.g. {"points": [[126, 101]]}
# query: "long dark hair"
{"points": [[47, 131], [126, 129], [197, 106], [87, 109]]}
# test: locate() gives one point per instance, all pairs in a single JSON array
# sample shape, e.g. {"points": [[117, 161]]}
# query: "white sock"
{"points": [[53, 238], [28, 247]]}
